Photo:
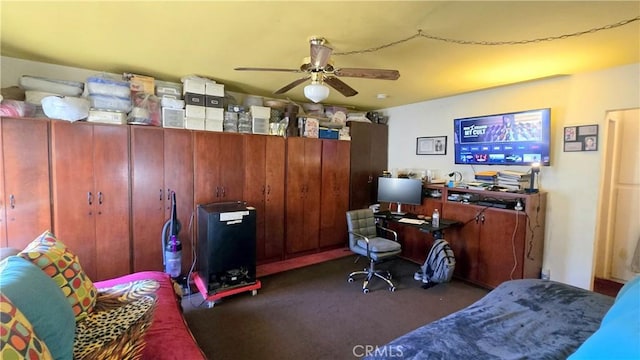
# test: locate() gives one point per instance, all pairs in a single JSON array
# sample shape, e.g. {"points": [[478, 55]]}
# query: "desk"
{"points": [[437, 231]]}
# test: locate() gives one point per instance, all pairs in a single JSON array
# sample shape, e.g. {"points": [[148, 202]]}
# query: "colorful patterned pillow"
{"points": [[17, 338], [53, 257]]}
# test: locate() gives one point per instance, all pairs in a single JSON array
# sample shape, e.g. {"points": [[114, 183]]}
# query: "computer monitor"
{"points": [[400, 191]]}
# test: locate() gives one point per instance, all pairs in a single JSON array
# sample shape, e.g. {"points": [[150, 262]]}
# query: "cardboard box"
{"points": [[311, 126], [173, 118], [141, 83], [213, 125], [194, 123], [194, 99], [214, 89], [214, 113], [213, 101], [193, 111], [193, 85], [261, 112]]}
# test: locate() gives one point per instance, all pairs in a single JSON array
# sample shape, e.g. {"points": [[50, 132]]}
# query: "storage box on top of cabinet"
{"points": [[173, 118]]}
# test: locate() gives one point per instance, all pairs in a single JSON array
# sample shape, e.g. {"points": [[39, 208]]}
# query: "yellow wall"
{"points": [[572, 181]]}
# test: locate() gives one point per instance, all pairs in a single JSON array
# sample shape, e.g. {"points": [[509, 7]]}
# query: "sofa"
{"points": [[530, 319], [50, 309]]}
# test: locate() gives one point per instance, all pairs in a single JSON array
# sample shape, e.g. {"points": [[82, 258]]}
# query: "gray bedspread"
{"points": [[520, 319]]}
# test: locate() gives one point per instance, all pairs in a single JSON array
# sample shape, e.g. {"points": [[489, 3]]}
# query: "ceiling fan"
{"points": [[320, 69]]}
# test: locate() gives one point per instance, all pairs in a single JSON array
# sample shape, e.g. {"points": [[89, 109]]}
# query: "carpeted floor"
{"points": [[314, 313]]}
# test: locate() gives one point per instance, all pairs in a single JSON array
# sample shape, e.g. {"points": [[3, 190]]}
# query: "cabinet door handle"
{"points": [[100, 197], [161, 194], [12, 201], [264, 189], [90, 198], [217, 191], [168, 194], [482, 219], [268, 189], [223, 192]]}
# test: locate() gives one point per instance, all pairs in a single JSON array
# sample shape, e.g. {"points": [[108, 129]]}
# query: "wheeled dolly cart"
{"points": [[211, 299]]}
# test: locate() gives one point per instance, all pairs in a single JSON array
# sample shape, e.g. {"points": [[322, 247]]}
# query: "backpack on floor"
{"points": [[440, 263]]}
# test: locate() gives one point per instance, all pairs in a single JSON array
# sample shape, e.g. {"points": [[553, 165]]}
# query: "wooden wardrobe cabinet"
{"points": [[218, 167], [161, 163], [25, 205], [303, 182], [90, 185], [264, 189], [369, 146], [335, 193]]}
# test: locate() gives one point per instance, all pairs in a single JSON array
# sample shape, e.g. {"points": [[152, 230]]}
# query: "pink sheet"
{"points": [[168, 337]]}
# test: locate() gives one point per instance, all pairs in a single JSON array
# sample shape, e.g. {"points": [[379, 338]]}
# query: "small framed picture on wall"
{"points": [[581, 138], [431, 145]]}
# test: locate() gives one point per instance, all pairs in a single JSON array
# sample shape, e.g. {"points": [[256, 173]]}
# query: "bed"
{"points": [[524, 319]]}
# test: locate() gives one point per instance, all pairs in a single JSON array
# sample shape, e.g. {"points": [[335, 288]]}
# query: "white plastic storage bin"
{"points": [[114, 103], [100, 85], [169, 89], [173, 118]]}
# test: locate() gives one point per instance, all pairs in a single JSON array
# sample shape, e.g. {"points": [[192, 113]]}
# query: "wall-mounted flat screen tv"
{"points": [[516, 138]]}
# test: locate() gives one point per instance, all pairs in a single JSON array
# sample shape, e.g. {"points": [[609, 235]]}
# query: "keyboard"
{"points": [[411, 221]]}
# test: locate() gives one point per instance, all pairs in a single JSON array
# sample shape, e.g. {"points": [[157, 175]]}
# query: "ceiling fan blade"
{"points": [[292, 85], [266, 69], [381, 74], [320, 55], [340, 85]]}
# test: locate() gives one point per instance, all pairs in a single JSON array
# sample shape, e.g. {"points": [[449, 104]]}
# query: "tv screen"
{"points": [[516, 138], [400, 190]]}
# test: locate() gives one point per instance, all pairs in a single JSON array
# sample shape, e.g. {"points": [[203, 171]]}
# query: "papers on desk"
{"points": [[411, 221]]}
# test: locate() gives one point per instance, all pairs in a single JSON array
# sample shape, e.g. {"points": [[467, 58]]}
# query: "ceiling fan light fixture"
{"points": [[316, 92]]}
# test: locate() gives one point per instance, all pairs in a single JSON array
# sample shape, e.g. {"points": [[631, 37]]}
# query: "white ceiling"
{"points": [[170, 39]]}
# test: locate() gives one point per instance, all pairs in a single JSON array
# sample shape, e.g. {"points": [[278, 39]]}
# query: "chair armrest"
{"points": [[366, 239], [395, 234], [360, 235]]}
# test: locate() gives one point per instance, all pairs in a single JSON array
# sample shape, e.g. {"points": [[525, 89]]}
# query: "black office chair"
{"points": [[364, 240]]}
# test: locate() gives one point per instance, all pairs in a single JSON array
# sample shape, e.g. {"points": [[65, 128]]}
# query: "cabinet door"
{"points": [[369, 146], [501, 248], [111, 204], [335, 195], [230, 158], [361, 179], [27, 205], [303, 194], [206, 174], [219, 169], [312, 193], [73, 190], [274, 199], [379, 152], [255, 186], [464, 239], [178, 177], [148, 197], [295, 195]]}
